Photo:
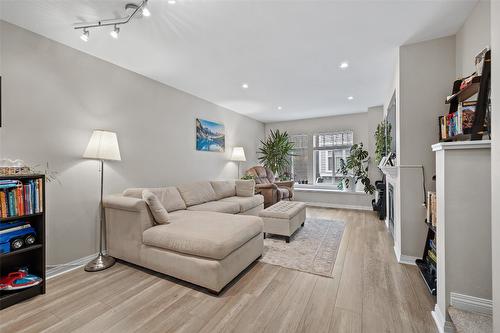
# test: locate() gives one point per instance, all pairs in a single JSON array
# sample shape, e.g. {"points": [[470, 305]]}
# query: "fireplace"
{"points": [[390, 213]]}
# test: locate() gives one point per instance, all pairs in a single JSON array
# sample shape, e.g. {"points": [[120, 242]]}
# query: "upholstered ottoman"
{"points": [[283, 218]]}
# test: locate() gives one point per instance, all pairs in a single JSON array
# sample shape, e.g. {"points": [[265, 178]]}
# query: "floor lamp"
{"points": [[103, 146], [238, 155]]}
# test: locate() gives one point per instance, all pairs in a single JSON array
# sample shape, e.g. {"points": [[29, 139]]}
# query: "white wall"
{"points": [[495, 161], [472, 37], [53, 96], [363, 125]]}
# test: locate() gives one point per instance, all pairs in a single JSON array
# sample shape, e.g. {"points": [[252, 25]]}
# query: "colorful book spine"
{"points": [[3, 203], [18, 199]]}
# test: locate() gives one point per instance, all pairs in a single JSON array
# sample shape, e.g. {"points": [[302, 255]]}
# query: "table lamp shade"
{"points": [[103, 145], [238, 154]]}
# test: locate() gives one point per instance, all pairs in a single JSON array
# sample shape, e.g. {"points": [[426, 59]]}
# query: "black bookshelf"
{"points": [[427, 266], [32, 256], [480, 85]]}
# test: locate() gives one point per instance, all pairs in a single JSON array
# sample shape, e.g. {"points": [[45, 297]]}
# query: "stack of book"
{"points": [[431, 208], [459, 122], [432, 257], [18, 198]]}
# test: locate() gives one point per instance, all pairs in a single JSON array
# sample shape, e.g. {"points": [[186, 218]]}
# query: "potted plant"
{"points": [[383, 140], [275, 153], [355, 169]]}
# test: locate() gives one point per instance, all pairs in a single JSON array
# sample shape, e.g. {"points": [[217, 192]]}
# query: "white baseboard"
{"points": [[408, 260], [333, 205], [404, 259], [67, 267], [472, 304], [442, 325]]}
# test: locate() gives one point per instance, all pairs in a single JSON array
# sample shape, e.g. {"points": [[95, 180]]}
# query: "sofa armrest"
{"points": [[126, 219], [266, 186], [288, 183], [130, 204]]}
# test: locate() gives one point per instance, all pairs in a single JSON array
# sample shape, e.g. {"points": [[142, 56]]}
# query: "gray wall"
{"points": [[363, 125], [495, 160], [472, 37], [423, 76], [427, 72], [53, 96]]}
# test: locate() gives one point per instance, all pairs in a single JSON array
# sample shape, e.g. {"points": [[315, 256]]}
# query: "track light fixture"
{"points": [[140, 8], [85, 35], [115, 32]]}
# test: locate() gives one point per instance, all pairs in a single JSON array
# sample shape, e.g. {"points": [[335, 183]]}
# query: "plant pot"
{"points": [[360, 187]]}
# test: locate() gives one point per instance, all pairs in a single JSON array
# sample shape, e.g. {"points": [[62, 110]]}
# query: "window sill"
{"points": [[325, 189]]}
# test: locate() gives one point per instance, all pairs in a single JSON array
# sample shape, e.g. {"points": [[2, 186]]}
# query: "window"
{"points": [[328, 150], [316, 158], [299, 161]]}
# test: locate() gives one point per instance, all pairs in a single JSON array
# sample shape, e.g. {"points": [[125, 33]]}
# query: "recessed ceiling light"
{"points": [[344, 65], [245, 86], [280, 108], [350, 98], [85, 35], [115, 32], [172, 2], [146, 12]]}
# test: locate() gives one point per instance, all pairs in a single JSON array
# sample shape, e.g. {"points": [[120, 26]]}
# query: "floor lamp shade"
{"points": [[103, 145], [238, 154]]}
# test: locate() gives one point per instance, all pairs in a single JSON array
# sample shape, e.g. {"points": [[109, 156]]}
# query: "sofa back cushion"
{"points": [[156, 208], [197, 193], [245, 188], [169, 197], [224, 188], [262, 175]]}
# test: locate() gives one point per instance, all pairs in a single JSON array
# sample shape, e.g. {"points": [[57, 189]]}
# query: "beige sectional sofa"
{"points": [[213, 232]]}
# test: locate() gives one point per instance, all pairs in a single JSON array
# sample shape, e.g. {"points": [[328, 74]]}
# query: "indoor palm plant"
{"points": [[355, 168], [383, 140], [276, 151]]}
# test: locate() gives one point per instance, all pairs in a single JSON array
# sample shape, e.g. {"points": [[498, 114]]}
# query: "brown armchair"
{"points": [[266, 184]]}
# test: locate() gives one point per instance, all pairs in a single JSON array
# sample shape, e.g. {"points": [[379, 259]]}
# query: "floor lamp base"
{"points": [[100, 263]]}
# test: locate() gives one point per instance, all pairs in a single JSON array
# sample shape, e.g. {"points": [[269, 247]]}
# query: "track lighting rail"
{"points": [[115, 22]]}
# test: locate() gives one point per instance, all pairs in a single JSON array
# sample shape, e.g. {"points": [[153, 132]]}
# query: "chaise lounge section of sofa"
{"points": [[213, 231]]}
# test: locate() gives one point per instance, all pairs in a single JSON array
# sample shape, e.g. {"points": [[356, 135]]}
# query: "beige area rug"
{"points": [[312, 249]]}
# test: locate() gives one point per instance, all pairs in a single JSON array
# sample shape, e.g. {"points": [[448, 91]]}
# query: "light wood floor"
{"points": [[370, 292]]}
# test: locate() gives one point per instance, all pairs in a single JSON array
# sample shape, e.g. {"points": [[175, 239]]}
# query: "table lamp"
{"points": [[103, 146], [238, 155]]}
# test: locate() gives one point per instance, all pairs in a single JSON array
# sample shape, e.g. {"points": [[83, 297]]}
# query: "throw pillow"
{"points": [[245, 188], [159, 212]]}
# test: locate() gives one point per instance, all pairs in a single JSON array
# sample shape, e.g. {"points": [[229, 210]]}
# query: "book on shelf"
{"points": [[432, 255], [432, 244], [431, 208], [467, 110], [20, 198], [458, 122]]}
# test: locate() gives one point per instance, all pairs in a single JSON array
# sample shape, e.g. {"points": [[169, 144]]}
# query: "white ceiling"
{"points": [[287, 51]]}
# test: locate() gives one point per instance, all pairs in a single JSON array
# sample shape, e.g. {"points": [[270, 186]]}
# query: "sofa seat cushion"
{"points": [[197, 193], [245, 203], [217, 206], [204, 234]]}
